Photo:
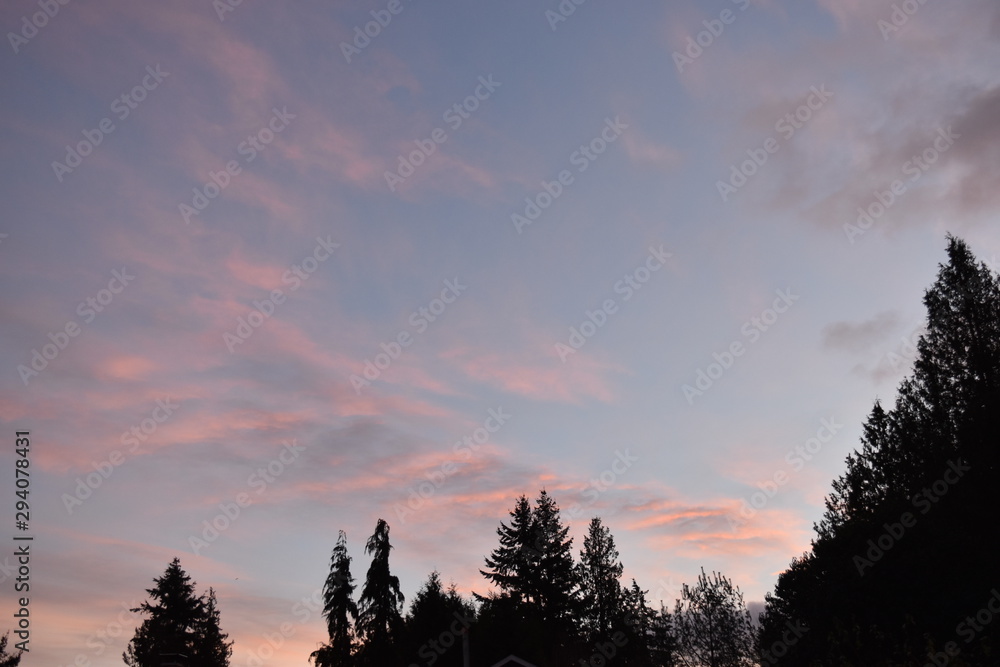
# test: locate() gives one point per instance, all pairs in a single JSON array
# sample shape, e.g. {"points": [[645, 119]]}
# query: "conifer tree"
{"points": [[380, 620], [931, 461], [662, 643], [713, 626], [179, 623], [216, 651], [437, 619], [339, 609], [600, 573], [554, 581], [512, 563], [8, 659]]}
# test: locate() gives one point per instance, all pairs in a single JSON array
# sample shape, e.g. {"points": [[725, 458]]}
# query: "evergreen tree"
{"points": [[179, 623], [435, 624], [215, 650], [554, 581], [380, 621], [8, 659], [638, 628], [600, 572], [713, 626], [662, 639], [932, 458], [533, 567], [339, 609], [513, 563]]}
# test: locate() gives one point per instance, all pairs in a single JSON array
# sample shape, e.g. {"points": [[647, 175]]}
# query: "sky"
{"points": [[276, 270]]}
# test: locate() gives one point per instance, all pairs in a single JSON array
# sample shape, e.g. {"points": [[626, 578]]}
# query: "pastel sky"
{"points": [[178, 163]]}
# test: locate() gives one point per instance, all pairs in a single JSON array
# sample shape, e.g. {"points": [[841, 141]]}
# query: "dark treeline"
{"points": [[903, 568]]}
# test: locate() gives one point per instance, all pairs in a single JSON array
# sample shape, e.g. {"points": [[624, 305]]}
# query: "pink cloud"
{"points": [[580, 378]]}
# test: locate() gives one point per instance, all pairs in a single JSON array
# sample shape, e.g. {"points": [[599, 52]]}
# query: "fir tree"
{"points": [[857, 600], [513, 562], [339, 609], [600, 573], [436, 622], [179, 623], [380, 621]]}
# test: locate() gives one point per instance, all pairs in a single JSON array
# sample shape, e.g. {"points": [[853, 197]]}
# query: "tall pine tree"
{"points": [[339, 609], [436, 619], [873, 590], [600, 574], [554, 581], [538, 604], [380, 620], [179, 623], [512, 563]]}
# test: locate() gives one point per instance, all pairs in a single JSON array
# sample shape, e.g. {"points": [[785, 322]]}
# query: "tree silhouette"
{"points": [[713, 626], [555, 578], [215, 650], [339, 609], [662, 639], [435, 624], [179, 623], [914, 502], [513, 563], [380, 620], [600, 573], [8, 659], [538, 603]]}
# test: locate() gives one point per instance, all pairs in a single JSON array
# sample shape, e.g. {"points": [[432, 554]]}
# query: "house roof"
{"points": [[513, 660]]}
